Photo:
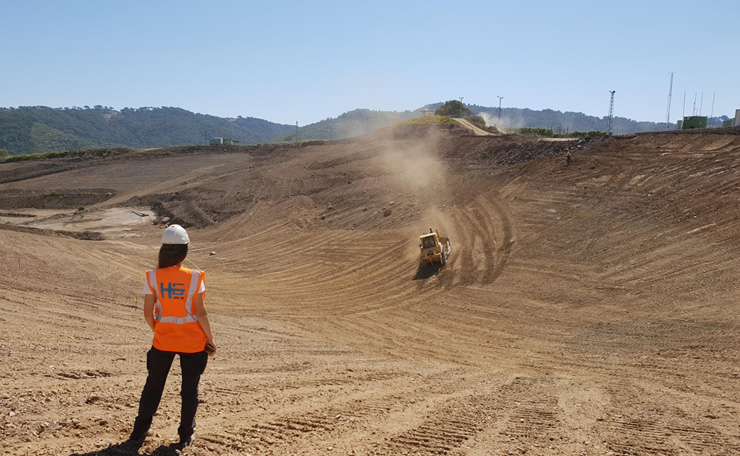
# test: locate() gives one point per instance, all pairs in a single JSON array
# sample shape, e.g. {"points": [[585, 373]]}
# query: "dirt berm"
{"points": [[588, 309]]}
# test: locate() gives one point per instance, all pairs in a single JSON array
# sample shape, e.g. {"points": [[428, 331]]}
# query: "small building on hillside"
{"points": [[219, 141], [692, 122], [733, 122]]}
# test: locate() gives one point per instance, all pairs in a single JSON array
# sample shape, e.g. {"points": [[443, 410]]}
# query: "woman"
{"points": [[174, 308]]}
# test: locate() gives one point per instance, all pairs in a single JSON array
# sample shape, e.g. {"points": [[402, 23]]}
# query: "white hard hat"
{"points": [[175, 234]]}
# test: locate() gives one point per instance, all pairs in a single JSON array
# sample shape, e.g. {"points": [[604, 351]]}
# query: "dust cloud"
{"points": [[418, 176], [503, 123]]}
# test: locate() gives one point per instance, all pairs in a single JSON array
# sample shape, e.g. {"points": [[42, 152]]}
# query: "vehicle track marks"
{"points": [[443, 430], [485, 231]]}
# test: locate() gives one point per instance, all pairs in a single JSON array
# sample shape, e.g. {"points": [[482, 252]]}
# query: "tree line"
{"points": [[40, 129]]}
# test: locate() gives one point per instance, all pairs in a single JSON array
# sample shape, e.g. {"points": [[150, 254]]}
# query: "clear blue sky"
{"points": [[304, 61]]}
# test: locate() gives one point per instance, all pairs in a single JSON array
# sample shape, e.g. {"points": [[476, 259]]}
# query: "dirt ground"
{"points": [[588, 309]]}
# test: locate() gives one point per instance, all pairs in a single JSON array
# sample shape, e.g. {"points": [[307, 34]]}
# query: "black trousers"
{"points": [[158, 364]]}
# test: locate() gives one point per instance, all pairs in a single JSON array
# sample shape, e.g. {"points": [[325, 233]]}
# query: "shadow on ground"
{"points": [[131, 448], [426, 271]]}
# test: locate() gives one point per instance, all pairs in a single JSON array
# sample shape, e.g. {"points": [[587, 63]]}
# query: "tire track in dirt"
{"points": [[663, 186], [346, 420], [484, 233], [323, 282], [510, 416], [669, 430], [518, 416], [434, 436]]}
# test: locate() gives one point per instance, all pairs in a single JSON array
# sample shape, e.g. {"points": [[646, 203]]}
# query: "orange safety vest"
{"points": [[176, 326]]}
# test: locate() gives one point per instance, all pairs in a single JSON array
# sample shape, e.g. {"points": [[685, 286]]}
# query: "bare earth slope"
{"points": [[586, 309], [469, 125]]}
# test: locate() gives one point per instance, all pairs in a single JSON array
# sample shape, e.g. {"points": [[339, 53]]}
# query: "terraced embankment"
{"points": [[588, 308]]}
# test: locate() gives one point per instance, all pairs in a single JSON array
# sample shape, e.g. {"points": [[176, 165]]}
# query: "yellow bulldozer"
{"points": [[433, 248]]}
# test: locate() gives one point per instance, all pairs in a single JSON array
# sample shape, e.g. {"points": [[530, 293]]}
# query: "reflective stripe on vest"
{"points": [[157, 304]]}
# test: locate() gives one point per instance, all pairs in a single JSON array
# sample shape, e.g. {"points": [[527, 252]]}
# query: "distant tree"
{"points": [[537, 131], [3, 153], [453, 108], [478, 121]]}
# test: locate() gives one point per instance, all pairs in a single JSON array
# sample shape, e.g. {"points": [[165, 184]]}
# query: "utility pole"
{"points": [[499, 106], [296, 130], [459, 114], [668, 115], [611, 114]]}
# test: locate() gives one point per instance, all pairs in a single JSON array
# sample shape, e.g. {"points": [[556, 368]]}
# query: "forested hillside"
{"points": [[362, 121], [563, 122], [38, 129], [348, 125]]}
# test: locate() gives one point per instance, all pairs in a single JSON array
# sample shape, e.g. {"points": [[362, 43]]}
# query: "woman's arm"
{"points": [[202, 314], [149, 310]]}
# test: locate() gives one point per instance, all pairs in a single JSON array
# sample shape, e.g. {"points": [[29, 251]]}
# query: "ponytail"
{"points": [[171, 255]]}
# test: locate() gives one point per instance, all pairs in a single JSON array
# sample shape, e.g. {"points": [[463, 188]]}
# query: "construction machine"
{"points": [[433, 248]]}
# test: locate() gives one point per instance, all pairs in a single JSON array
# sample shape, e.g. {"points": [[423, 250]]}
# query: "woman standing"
{"points": [[174, 308]]}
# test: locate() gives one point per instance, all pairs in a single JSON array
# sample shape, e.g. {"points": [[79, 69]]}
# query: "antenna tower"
{"points": [[668, 116], [610, 120]]}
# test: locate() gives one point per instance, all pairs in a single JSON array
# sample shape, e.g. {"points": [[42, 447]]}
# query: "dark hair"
{"points": [[171, 254]]}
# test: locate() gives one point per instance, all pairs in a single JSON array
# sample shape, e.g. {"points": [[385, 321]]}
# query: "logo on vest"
{"points": [[173, 290]]}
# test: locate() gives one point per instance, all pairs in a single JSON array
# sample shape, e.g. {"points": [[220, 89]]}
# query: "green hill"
{"points": [[39, 129], [561, 122], [363, 121], [350, 124]]}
